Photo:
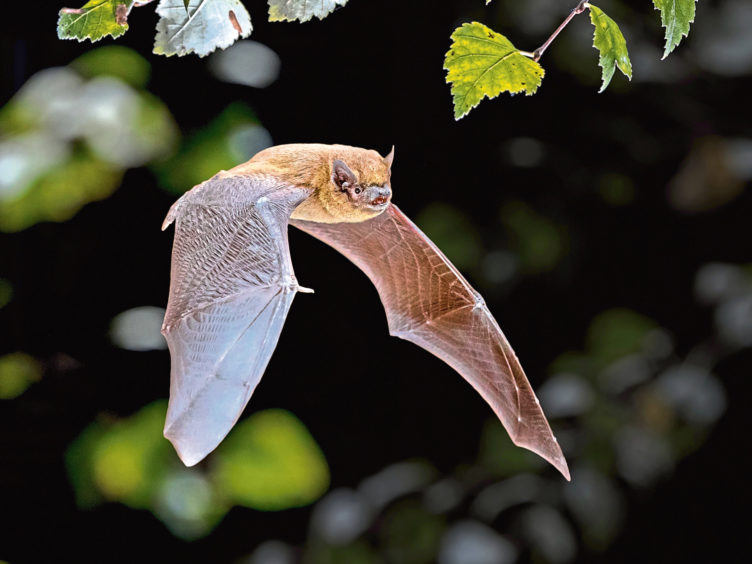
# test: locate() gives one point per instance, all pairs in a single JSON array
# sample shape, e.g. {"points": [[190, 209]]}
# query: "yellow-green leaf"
{"points": [[676, 15], [94, 20], [483, 63], [611, 45]]}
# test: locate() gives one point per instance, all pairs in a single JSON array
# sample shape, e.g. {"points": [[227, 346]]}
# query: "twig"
{"points": [[538, 53]]}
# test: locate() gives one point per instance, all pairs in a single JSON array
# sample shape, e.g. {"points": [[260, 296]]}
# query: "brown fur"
{"points": [[310, 166]]}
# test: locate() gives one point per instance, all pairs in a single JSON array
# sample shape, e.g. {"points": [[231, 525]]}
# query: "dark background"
{"points": [[371, 75]]}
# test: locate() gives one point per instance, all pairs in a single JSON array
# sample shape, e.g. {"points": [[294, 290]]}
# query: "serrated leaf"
{"points": [[94, 20], [301, 10], [676, 15], [611, 45], [201, 27], [483, 63]]}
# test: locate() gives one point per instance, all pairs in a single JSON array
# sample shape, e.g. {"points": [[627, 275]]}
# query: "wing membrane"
{"points": [[429, 303], [231, 289]]}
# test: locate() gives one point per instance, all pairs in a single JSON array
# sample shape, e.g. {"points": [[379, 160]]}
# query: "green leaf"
{"points": [[483, 63], [676, 15], [302, 10], [611, 45], [271, 462], [95, 20], [201, 27]]}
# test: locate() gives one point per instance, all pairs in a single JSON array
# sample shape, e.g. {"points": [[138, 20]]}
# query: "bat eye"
{"points": [[357, 190]]}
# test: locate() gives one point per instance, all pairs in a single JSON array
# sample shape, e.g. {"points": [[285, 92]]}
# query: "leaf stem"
{"points": [[538, 53]]}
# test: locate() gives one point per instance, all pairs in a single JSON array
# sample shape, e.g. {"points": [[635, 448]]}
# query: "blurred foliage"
{"points": [[57, 153], [626, 409], [113, 60], [18, 371], [711, 175], [269, 462], [538, 242], [6, 292], [233, 137]]}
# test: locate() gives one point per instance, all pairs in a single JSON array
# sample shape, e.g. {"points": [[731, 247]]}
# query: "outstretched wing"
{"points": [[231, 287], [428, 302]]}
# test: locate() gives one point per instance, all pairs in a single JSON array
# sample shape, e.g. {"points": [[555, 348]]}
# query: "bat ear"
{"points": [[342, 176], [389, 159]]}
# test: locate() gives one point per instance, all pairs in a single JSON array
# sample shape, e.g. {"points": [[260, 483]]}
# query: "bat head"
{"points": [[356, 185], [349, 184]]}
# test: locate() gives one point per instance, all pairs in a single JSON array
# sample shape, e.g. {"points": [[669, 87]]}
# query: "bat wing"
{"points": [[231, 287], [428, 302]]}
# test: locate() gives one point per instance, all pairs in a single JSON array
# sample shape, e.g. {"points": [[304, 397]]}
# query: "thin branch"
{"points": [[538, 53]]}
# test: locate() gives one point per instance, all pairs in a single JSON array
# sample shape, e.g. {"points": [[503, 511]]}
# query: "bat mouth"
{"points": [[379, 197]]}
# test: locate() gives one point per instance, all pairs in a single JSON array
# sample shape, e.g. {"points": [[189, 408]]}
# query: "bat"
{"points": [[232, 284]]}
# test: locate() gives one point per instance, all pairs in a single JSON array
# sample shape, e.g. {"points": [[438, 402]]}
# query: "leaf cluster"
{"points": [[184, 26], [483, 63]]}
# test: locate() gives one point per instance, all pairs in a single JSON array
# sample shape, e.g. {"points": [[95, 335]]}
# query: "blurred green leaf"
{"points": [[616, 333], [94, 20], [410, 533], [538, 242], [611, 45], [302, 10], [60, 193], [207, 151], [113, 60], [676, 15], [270, 462], [616, 189], [6, 292], [453, 232], [18, 371], [358, 552], [123, 461], [482, 63], [78, 463], [200, 27]]}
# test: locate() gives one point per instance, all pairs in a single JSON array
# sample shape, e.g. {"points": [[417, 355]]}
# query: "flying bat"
{"points": [[232, 284]]}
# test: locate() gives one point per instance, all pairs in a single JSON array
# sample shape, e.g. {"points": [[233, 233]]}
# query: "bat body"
{"points": [[232, 284]]}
